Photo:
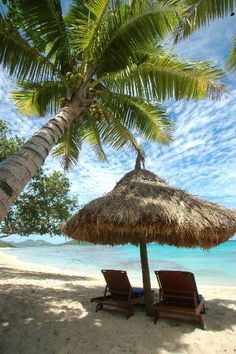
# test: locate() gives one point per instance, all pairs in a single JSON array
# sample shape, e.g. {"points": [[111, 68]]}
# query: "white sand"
{"points": [[44, 312]]}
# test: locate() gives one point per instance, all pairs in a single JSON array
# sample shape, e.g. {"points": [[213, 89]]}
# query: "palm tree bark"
{"points": [[146, 279], [17, 170]]}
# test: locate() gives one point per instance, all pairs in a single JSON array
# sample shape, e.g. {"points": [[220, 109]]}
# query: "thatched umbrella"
{"points": [[144, 208]]}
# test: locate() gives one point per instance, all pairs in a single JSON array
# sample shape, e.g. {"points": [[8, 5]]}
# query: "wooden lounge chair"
{"points": [[119, 293], [178, 296]]}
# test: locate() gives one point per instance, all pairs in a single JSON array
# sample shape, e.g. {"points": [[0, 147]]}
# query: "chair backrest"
{"points": [[117, 281], [177, 287]]}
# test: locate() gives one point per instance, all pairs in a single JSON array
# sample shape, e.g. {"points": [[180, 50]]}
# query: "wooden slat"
{"points": [[178, 295], [120, 292]]}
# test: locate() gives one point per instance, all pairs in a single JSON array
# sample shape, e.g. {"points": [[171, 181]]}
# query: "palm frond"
{"points": [[92, 135], [69, 146], [77, 11], [84, 130], [94, 132], [129, 30], [115, 134], [107, 129], [45, 17], [149, 120], [163, 77], [20, 59], [84, 32], [231, 62], [200, 13], [39, 98]]}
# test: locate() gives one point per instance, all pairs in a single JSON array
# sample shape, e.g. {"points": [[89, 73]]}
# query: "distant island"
{"points": [[71, 243], [32, 243], [37, 243], [42, 243], [4, 244]]}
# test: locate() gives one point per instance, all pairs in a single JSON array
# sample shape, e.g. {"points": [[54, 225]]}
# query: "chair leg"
{"points": [[156, 316], [99, 307], [130, 312], [203, 309], [200, 321]]}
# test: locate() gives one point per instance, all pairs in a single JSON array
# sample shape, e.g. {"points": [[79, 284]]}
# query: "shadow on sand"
{"points": [[7, 273], [61, 319]]}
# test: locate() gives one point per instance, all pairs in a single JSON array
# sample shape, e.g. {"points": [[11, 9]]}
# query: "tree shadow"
{"points": [[15, 273], [220, 315], [37, 319]]}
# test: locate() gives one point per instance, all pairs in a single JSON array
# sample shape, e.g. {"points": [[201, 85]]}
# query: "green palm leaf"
{"points": [[45, 17], [107, 129], [163, 77], [39, 99], [69, 146], [129, 30], [200, 13], [119, 137], [231, 62], [115, 134], [149, 120], [19, 58], [84, 35], [95, 133], [92, 136]]}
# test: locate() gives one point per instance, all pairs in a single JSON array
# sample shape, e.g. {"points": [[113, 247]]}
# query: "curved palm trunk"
{"points": [[16, 171], [146, 279]]}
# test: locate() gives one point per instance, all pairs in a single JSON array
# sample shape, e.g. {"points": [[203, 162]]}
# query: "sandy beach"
{"points": [[43, 311]]}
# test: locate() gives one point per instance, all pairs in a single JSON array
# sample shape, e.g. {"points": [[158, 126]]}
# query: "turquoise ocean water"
{"points": [[215, 267]]}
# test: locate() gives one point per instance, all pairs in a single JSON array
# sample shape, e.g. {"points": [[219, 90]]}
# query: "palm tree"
{"points": [[102, 68]]}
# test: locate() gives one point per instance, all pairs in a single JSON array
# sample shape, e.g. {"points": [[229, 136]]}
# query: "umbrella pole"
{"points": [[146, 279]]}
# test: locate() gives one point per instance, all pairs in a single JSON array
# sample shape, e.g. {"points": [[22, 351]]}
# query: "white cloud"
{"points": [[210, 43]]}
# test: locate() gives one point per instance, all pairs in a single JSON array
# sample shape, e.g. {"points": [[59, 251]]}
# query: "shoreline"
{"points": [[13, 261], [45, 310]]}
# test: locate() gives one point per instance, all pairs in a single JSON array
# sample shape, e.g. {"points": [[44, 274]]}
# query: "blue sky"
{"points": [[202, 158]]}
